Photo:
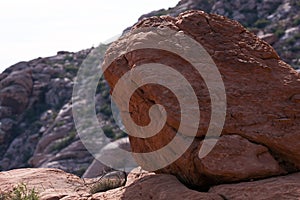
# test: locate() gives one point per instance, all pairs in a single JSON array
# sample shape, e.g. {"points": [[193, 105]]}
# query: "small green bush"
{"points": [[60, 123], [297, 36], [71, 68], [108, 131], [296, 21], [20, 192], [100, 86], [291, 41], [161, 12], [106, 110], [64, 142], [295, 49], [105, 93], [261, 23], [279, 32]]}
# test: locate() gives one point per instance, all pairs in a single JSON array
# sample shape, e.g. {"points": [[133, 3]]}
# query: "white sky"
{"points": [[39, 28]]}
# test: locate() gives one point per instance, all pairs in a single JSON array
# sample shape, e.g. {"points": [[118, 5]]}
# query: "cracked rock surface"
{"points": [[261, 134]]}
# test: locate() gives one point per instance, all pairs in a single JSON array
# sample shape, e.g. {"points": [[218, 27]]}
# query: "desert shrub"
{"points": [[106, 110], [261, 23], [71, 69], [296, 21], [105, 93], [297, 36], [20, 192], [64, 142], [69, 57], [79, 172], [295, 49], [161, 12], [291, 41], [108, 131], [279, 32]]}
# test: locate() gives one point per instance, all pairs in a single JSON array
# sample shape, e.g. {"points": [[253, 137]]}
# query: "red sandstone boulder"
{"points": [[261, 133]]}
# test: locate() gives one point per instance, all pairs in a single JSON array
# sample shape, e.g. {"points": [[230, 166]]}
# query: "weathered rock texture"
{"points": [[55, 184], [275, 21], [52, 184], [144, 185], [261, 133], [284, 187], [48, 183]]}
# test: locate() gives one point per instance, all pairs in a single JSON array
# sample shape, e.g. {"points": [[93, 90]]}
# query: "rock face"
{"points": [[36, 124], [144, 185], [284, 187], [279, 18], [261, 133], [35, 114]]}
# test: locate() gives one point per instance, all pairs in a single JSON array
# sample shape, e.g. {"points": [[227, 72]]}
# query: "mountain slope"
{"points": [[36, 123]]}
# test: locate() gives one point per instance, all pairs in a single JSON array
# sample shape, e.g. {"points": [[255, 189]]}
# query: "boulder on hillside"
{"points": [[261, 132]]}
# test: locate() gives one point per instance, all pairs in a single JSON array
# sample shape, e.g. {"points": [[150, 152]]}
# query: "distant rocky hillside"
{"points": [[36, 124], [277, 21]]}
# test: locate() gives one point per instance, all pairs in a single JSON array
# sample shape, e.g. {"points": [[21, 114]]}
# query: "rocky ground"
{"points": [[52, 184]]}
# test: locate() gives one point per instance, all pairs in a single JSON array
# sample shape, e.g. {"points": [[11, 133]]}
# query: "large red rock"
{"points": [[261, 134]]}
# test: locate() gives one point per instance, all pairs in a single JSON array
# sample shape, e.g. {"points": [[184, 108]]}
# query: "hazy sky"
{"points": [[39, 28]]}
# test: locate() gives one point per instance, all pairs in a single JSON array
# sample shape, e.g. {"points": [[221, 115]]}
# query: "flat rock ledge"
{"points": [[52, 184]]}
